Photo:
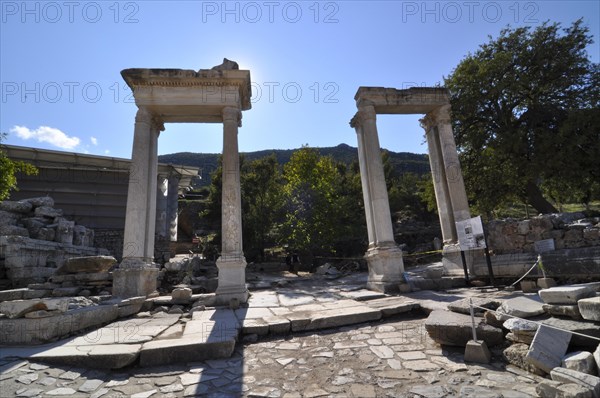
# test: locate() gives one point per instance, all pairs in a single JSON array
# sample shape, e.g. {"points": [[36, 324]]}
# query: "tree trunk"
{"points": [[537, 200]]}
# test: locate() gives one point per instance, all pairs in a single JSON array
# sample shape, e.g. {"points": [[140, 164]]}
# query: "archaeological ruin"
{"points": [[217, 95]]}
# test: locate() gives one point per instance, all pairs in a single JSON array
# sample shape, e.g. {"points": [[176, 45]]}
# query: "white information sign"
{"points": [[470, 233]]}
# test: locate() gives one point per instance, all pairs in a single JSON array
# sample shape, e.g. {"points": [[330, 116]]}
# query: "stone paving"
{"points": [[390, 356]]}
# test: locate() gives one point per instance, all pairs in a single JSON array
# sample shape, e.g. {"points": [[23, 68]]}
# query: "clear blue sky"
{"points": [[61, 61]]}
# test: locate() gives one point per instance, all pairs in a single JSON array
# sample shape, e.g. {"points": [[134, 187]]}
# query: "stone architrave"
{"points": [[383, 255], [180, 96]]}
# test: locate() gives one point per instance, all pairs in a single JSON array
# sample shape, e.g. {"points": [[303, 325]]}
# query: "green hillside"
{"points": [[403, 162]]}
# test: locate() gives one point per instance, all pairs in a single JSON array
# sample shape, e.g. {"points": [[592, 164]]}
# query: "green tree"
{"points": [[9, 170], [261, 204], [312, 207], [515, 103]]}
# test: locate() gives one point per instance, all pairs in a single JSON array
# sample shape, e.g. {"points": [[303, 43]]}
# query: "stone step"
{"points": [[390, 306]]}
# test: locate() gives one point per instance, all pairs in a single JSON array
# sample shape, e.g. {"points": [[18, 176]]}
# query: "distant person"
{"points": [[295, 260], [288, 261]]}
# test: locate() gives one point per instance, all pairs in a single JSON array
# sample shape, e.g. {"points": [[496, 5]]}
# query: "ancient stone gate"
{"points": [[383, 255], [216, 95]]}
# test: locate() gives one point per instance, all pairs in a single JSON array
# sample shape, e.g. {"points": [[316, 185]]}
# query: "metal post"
{"points": [[472, 319], [464, 263]]}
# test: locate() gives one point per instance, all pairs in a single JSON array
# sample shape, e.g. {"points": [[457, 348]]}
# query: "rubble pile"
{"points": [[80, 276], [193, 272], [555, 333], [36, 239]]}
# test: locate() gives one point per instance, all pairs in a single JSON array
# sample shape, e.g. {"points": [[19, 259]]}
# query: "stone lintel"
{"points": [[156, 88], [409, 101]]}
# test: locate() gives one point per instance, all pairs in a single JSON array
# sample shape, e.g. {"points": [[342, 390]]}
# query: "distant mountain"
{"points": [[403, 162]]}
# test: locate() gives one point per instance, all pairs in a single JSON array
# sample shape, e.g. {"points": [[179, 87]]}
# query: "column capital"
{"points": [[143, 115], [364, 113], [157, 123], [232, 114], [437, 116]]}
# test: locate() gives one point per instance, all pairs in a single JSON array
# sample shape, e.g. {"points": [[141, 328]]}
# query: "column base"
{"points": [[134, 282], [452, 260], [385, 268], [232, 280]]}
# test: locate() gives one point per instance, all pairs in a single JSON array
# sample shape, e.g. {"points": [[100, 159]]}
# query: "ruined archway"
{"points": [[383, 255], [216, 95]]}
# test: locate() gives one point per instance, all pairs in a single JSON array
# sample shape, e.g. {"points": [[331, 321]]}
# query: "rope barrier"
{"points": [[539, 323]]}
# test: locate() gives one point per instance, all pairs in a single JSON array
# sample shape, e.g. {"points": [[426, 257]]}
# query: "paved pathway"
{"points": [[391, 356]]}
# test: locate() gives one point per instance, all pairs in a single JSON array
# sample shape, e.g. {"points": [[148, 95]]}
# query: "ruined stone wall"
{"points": [[111, 240], [569, 231], [35, 240]]}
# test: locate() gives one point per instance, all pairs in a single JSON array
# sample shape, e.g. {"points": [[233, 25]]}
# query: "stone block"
{"points": [[343, 316], [40, 201], [48, 234], [48, 212], [13, 230], [548, 348], [587, 328], [79, 236], [43, 330], [522, 307], [569, 311], [529, 286], [278, 325], [581, 361], [451, 328], [7, 218], [390, 306], [113, 356], [64, 232], [516, 354], [462, 305], [13, 294], [185, 349], [597, 358], [550, 388], [590, 308], [255, 326], [16, 207], [546, 283], [18, 308], [566, 294], [87, 264], [133, 282], [572, 376], [181, 295], [523, 331], [477, 351], [66, 291]]}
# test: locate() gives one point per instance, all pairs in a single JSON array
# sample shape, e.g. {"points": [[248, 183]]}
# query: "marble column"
{"points": [[161, 207], [383, 255], [456, 184], [440, 186], [136, 275], [449, 186], [231, 263], [172, 207]]}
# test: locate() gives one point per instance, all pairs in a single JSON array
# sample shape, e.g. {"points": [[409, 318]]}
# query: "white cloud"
{"points": [[47, 134], [107, 151], [94, 140]]}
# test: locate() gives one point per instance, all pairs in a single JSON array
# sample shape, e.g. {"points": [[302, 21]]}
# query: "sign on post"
{"points": [[470, 234]]}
